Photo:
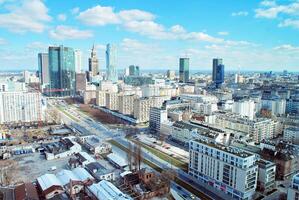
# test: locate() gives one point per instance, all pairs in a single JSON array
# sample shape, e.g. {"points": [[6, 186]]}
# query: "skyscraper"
{"points": [[78, 61], [184, 70], [93, 62], [62, 71], [111, 63], [134, 70], [43, 68], [218, 71]]}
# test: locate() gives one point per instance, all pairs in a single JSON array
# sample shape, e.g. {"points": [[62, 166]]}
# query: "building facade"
{"points": [[218, 71], [111, 63], [227, 169], [157, 116], [62, 71], [184, 70], [93, 62], [78, 60], [43, 68]]}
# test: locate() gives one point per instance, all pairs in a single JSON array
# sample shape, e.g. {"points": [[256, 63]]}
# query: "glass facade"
{"points": [[111, 63], [184, 70], [62, 71], [218, 71]]}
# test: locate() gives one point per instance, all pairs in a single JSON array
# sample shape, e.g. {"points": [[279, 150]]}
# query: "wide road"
{"points": [[86, 125]]}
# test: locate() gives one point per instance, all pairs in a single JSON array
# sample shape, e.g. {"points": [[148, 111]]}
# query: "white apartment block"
{"points": [[101, 98], [20, 107], [126, 104], [150, 90], [198, 98], [291, 134], [108, 86], [112, 101], [227, 169], [293, 191], [245, 108], [276, 106], [142, 107], [157, 116], [258, 129]]}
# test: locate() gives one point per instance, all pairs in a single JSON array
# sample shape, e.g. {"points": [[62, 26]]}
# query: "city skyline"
{"points": [[258, 35]]}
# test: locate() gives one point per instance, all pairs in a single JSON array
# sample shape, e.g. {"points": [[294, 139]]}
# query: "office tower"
{"points": [[111, 63], [26, 76], [170, 74], [156, 117], [93, 62], [62, 71], [43, 68], [227, 169], [78, 61], [184, 70], [18, 107], [134, 70], [218, 71]]}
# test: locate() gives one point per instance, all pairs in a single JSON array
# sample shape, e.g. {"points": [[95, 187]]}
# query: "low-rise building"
{"points": [[293, 191], [95, 145], [49, 185], [100, 172]]}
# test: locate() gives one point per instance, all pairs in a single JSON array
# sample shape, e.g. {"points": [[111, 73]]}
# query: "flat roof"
{"points": [[48, 180]]}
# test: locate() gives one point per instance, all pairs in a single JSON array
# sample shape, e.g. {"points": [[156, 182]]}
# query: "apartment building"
{"points": [[112, 100], [126, 104], [22, 107], [228, 169], [157, 116]]}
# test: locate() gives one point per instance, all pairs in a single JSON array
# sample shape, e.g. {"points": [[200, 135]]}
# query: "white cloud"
{"points": [[28, 15], [268, 3], [272, 11], [75, 10], [286, 47], [135, 15], [2, 41], [289, 23], [98, 16], [61, 17], [223, 33], [135, 46], [67, 32], [177, 29], [240, 13]]}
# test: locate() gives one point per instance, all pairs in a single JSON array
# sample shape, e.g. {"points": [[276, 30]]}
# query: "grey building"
{"points": [[43, 68]]}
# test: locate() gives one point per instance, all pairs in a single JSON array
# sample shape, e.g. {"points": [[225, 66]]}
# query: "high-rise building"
{"points": [[218, 71], [184, 70], [62, 71], [126, 104], [81, 82], [78, 61], [245, 108], [43, 68], [26, 76], [93, 62], [22, 107], [111, 63], [227, 169], [134, 70]]}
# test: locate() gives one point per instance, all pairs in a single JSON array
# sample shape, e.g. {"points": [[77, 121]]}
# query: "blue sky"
{"points": [[248, 34]]}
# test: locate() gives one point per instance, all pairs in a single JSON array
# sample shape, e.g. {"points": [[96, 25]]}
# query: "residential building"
{"points": [[157, 116], [112, 74], [291, 134], [227, 169], [93, 62], [43, 68], [21, 107], [100, 172], [49, 186], [170, 74], [112, 101], [184, 70], [293, 191], [266, 175], [101, 98], [245, 108], [126, 104], [275, 104], [61, 71]]}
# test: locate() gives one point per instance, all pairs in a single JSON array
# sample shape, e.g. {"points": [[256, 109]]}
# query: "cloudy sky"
{"points": [[248, 34]]}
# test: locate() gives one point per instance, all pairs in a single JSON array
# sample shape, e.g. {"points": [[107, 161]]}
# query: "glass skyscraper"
{"points": [[62, 71], [184, 70], [218, 71], [111, 63]]}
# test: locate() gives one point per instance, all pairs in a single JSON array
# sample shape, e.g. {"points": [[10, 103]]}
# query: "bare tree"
{"points": [[8, 172]]}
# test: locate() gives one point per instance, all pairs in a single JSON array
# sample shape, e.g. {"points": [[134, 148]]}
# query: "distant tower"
{"points": [[43, 68], [93, 62], [218, 71], [184, 70], [111, 63], [78, 61]]}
